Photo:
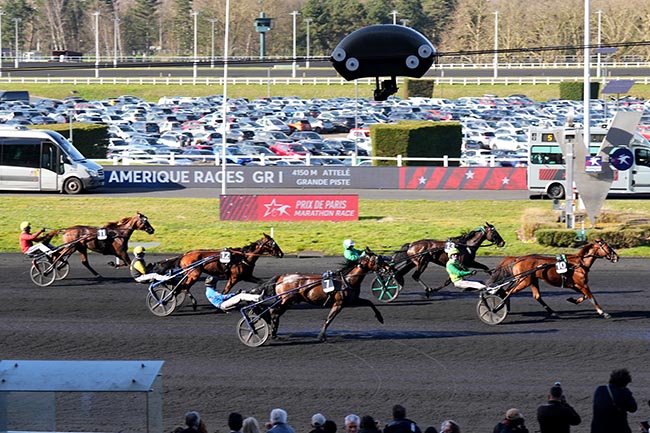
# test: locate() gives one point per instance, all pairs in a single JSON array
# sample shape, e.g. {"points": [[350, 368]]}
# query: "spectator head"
{"points": [[329, 426], [449, 426], [250, 425], [278, 416], [235, 421], [317, 420], [556, 392], [620, 378], [368, 422], [352, 423], [399, 412], [431, 429], [193, 419]]}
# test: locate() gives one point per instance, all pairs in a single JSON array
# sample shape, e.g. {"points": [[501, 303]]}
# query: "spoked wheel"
{"points": [[42, 273], [180, 297], [253, 332], [164, 301], [62, 269], [385, 287], [492, 309]]}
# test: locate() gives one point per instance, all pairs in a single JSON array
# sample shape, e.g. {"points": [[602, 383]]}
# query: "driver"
{"points": [[457, 273], [350, 253], [27, 240], [141, 272], [229, 300]]}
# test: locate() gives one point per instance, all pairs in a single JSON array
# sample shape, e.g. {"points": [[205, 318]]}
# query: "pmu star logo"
{"points": [[276, 209]]}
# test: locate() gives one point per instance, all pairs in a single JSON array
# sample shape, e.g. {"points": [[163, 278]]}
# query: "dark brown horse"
{"points": [[528, 270], [293, 289], [111, 239], [420, 253], [240, 265]]}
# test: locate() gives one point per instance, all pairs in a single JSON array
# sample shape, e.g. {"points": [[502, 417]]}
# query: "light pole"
{"points": [[308, 22], [496, 44], [1, 14], [116, 31], [224, 102], [394, 14], [96, 14], [293, 65], [16, 21], [212, 21], [195, 14], [600, 16], [404, 21]]}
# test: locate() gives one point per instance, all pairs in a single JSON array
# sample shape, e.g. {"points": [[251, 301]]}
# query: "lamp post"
{"points": [[195, 14], [116, 31], [1, 14], [212, 22], [496, 44], [96, 14], [16, 21], [293, 65], [404, 21], [308, 22], [224, 103], [394, 14], [598, 70]]}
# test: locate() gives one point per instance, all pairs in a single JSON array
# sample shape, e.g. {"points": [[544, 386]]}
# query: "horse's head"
{"points": [[142, 223], [267, 245], [605, 250], [371, 261], [493, 235]]}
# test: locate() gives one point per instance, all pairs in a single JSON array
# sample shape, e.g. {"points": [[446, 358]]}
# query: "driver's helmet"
{"points": [[139, 251], [453, 252], [348, 243], [24, 225]]}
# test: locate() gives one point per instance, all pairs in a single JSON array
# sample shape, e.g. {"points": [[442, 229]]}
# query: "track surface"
{"points": [[433, 356]]}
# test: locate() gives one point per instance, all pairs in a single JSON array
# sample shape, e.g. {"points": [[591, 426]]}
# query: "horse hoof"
{"points": [[112, 264], [572, 300], [606, 315]]}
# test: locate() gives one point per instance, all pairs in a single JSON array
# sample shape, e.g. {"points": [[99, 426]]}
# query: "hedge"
{"points": [[90, 139]]}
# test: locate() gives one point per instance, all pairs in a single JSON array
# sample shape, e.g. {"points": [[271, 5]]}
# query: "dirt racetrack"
{"points": [[433, 356]]}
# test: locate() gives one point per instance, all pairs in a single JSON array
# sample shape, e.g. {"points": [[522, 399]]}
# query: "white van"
{"points": [[42, 160]]}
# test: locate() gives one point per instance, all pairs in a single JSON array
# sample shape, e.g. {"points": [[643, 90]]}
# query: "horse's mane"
{"points": [[584, 249], [121, 222]]}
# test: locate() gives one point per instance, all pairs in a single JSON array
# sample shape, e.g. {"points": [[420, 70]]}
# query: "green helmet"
{"points": [[453, 251]]}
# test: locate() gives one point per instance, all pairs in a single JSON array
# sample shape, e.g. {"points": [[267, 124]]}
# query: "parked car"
{"points": [[346, 146], [289, 149]]}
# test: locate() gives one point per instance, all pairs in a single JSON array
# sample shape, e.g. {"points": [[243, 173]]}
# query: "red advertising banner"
{"points": [[289, 207], [463, 178]]}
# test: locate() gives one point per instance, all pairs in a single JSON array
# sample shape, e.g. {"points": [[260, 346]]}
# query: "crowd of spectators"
{"points": [[611, 404]]}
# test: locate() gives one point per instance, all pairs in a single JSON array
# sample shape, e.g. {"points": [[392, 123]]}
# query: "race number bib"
{"points": [[560, 267], [101, 234], [328, 282], [224, 257], [449, 245]]}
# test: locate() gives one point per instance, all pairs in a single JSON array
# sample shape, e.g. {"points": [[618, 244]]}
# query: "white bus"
{"points": [[41, 160], [546, 166]]}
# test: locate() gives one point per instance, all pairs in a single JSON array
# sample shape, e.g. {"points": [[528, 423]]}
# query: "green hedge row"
{"points": [[617, 238], [574, 91], [90, 139], [418, 88]]}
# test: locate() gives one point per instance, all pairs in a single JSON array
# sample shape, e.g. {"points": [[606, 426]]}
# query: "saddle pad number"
{"points": [[224, 257], [560, 267], [328, 282], [101, 234], [449, 245]]}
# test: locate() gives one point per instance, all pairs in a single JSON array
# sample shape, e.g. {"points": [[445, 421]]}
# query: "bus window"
{"points": [[48, 157], [22, 155], [642, 157]]}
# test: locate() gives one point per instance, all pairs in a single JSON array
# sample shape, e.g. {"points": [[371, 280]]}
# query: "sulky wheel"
{"points": [[164, 301], [62, 269], [42, 273], [385, 287], [492, 309], [180, 297], [253, 332]]}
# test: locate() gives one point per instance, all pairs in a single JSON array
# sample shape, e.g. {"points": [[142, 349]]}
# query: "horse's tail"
{"points": [[47, 237], [402, 254], [166, 265], [500, 274], [267, 287]]}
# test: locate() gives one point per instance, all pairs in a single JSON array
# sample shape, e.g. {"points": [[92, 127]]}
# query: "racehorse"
{"points": [[418, 254], [293, 289], [525, 271], [112, 239], [239, 267]]}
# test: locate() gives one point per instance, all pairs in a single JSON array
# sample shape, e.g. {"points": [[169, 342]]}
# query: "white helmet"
{"points": [[348, 243]]}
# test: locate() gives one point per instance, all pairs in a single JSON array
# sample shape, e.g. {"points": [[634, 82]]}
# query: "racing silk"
{"points": [[27, 240], [456, 271], [216, 298], [138, 268], [352, 254]]}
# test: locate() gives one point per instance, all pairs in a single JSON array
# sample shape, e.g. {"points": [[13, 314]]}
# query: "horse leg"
{"points": [[586, 294], [336, 309], [534, 285], [83, 252], [443, 285], [275, 319], [367, 303], [422, 266]]}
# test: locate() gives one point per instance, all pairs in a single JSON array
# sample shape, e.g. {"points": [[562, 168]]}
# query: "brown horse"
{"points": [[420, 253], [293, 289], [111, 239], [528, 270], [239, 267]]}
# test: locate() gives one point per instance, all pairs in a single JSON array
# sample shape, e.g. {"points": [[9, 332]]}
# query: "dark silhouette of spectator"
{"points": [[611, 404], [317, 421], [235, 422], [513, 422], [278, 420], [329, 426], [401, 424], [194, 423], [368, 425], [449, 426], [557, 416], [431, 429]]}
